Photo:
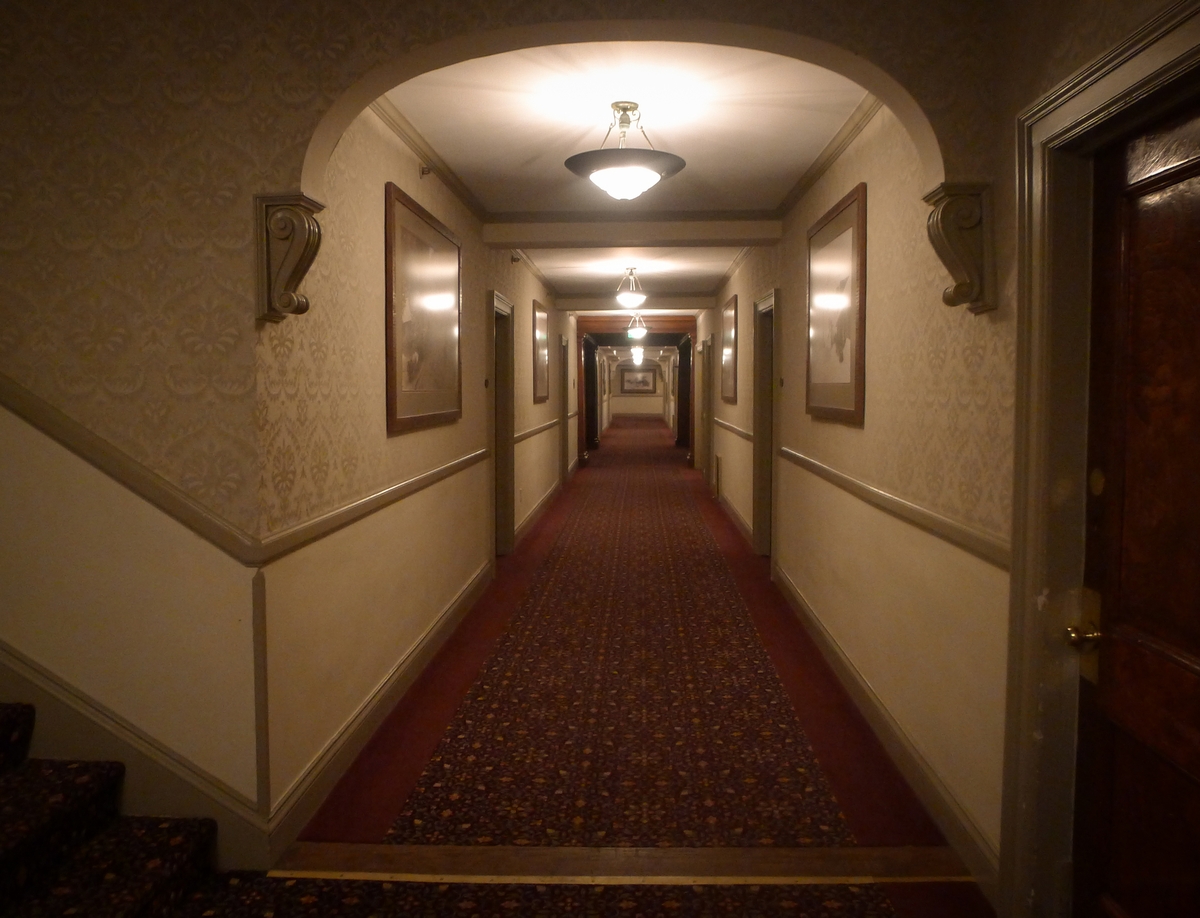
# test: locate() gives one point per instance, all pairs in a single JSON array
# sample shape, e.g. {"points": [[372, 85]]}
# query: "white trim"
{"points": [[125, 731], [501, 304], [982, 544]]}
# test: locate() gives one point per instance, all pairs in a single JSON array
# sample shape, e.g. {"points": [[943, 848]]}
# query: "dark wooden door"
{"points": [[1139, 829]]}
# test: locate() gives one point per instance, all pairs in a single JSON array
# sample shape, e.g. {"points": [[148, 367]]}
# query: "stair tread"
{"points": [[16, 730], [48, 807], [140, 862], [41, 792]]}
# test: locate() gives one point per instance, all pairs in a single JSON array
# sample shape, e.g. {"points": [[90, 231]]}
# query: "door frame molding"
{"points": [[503, 420], [763, 514], [1057, 137]]}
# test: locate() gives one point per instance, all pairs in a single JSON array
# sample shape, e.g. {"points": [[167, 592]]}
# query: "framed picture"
{"points": [[541, 353], [729, 349], [639, 382], [837, 311], [423, 316]]}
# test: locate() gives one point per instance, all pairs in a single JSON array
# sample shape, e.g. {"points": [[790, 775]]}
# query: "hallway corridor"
{"points": [[632, 711]]}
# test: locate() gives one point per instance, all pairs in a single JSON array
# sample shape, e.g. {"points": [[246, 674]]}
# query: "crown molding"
{"points": [[411, 137], [859, 118]]}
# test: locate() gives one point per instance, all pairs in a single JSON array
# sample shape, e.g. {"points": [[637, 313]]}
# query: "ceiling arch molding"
{"points": [[814, 50]]}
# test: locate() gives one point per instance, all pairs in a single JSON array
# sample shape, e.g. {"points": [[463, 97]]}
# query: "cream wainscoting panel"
{"points": [[737, 473], [635, 404], [537, 471], [127, 607], [923, 622], [344, 612]]}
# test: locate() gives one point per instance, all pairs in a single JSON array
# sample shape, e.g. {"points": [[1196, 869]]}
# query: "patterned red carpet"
{"points": [[630, 701]]}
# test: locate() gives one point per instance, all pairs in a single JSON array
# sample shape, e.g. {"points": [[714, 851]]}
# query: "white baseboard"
{"points": [[534, 514], [738, 520], [960, 830]]}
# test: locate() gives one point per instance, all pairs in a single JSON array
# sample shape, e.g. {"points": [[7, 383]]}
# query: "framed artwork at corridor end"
{"points": [[639, 382], [422, 318], [729, 349], [541, 353], [837, 311]]}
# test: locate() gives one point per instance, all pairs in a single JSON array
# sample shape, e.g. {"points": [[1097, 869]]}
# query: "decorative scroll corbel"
{"points": [[288, 239], [960, 229]]}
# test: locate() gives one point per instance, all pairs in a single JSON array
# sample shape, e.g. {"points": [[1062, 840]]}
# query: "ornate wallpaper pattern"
{"points": [[136, 134], [939, 381], [321, 418]]}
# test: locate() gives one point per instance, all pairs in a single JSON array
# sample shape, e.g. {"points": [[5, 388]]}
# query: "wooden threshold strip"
{"points": [[621, 866]]}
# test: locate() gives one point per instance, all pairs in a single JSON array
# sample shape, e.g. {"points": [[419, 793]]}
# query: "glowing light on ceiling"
{"points": [[625, 172], [629, 291]]}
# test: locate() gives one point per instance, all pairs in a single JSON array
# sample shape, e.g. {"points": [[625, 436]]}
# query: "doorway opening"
{"points": [[504, 449]]}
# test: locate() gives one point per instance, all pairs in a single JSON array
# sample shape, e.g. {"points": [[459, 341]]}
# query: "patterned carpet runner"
{"points": [[630, 701]]}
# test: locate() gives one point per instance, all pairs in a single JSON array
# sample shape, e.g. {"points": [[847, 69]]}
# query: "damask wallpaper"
{"points": [[939, 381], [136, 134], [321, 421]]}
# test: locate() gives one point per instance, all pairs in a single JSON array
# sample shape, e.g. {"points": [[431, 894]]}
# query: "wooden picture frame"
{"points": [[541, 353], [729, 350], [640, 381], [423, 316], [837, 311]]}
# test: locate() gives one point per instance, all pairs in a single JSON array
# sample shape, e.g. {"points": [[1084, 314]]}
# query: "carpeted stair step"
{"points": [[16, 730], [47, 808], [140, 866]]}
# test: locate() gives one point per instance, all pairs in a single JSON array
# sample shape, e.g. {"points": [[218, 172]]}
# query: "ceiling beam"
{"points": [[606, 301], [594, 234], [659, 324]]}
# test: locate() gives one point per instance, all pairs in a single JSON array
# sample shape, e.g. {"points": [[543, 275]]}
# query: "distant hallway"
{"points": [[633, 702]]}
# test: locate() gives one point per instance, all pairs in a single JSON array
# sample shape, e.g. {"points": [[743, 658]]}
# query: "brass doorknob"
{"points": [[1083, 637]]}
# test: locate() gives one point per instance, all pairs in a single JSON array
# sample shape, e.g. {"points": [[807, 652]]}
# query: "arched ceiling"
{"points": [[750, 124]]}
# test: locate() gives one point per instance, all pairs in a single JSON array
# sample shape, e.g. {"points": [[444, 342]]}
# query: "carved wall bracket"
{"points": [[960, 229], [288, 239]]}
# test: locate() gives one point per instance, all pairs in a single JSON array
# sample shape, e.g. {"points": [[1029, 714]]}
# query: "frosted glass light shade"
{"points": [[637, 331], [625, 182], [631, 299]]}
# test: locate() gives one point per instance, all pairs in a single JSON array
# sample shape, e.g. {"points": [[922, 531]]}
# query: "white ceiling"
{"points": [[748, 123]]}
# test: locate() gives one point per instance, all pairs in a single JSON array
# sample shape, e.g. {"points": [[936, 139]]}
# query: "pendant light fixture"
{"points": [[637, 328], [625, 172], [629, 291], [637, 355]]}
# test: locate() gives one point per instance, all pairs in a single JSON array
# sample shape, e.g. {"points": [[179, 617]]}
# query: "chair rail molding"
{"points": [[960, 230], [288, 239]]}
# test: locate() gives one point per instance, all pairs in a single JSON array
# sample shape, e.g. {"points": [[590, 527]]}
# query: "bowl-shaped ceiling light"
{"points": [[622, 171], [629, 291], [637, 328]]}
